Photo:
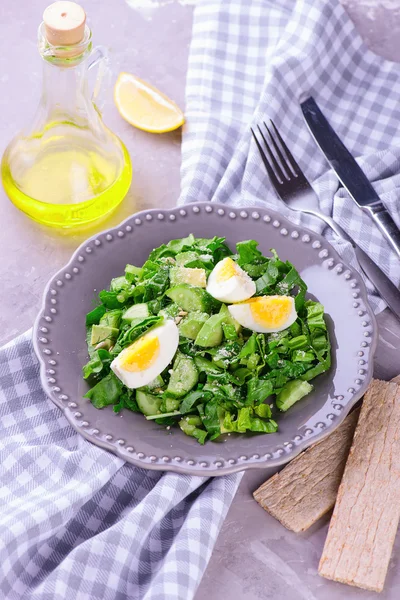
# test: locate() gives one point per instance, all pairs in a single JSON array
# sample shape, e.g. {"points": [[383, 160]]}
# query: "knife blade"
{"points": [[349, 173], [382, 283]]}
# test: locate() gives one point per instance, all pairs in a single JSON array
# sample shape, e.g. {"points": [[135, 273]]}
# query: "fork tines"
{"points": [[280, 164]]}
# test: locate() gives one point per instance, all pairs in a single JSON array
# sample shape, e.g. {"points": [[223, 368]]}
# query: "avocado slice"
{"points": [[103, 334], [196, 277], [111, 318]]}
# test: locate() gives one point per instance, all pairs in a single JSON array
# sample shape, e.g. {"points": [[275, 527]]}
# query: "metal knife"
{"points": [[385, 287], [349, 173]]}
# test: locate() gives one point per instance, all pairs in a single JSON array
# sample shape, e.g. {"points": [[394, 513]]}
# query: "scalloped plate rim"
{"points": [[227, 469]]}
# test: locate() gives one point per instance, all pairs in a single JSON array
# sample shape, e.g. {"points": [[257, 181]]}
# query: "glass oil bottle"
{"points": [[67, 168]]}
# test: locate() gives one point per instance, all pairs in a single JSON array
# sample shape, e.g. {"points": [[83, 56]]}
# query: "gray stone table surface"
{"points": [[254, 557]]}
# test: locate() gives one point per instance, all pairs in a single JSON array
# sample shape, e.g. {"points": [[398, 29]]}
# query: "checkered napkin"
{"points": [[77, 522], [251, 60]]}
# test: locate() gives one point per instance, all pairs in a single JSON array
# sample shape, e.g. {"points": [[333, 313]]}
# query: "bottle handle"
{"points": [[99, 57]]}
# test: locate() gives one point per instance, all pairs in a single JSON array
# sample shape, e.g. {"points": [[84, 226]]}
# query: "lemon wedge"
{"points": [[144, 106]]}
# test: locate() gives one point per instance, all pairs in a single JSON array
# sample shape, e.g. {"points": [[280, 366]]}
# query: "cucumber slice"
{"points": [[292, 392], [191, 325], [171, 404], [211, 334], [157, 382], [228, 319], [192, 298], [137, 311], [184, 376], [148, 404]]}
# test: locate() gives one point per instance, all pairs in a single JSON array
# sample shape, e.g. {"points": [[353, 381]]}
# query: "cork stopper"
{"points": [[64, 23]]}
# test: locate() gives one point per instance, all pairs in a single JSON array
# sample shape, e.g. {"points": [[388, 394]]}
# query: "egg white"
{"points": [[243, 315], [237, 288], [168, 338]]}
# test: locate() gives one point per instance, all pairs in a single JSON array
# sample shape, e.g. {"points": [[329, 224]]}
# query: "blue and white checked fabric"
{"points": [[75, 520], [251, 61]]}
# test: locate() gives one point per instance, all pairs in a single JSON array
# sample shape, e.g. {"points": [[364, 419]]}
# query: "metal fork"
{"points": [[289, 181], [296, 192]]}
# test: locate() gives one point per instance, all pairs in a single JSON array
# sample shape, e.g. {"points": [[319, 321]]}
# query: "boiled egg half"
{"points": [[229, 283], [265, 314], [148, 356]]}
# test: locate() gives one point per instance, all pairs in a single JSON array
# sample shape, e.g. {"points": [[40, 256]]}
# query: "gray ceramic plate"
{"points": [[59, 339]]}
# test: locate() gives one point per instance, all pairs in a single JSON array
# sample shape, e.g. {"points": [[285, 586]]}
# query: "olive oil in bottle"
{"points": [[67, 168]]}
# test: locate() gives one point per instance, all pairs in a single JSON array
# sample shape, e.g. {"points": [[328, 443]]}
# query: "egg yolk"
{"points": [[226, 270], [271, 312], [141, 354]]}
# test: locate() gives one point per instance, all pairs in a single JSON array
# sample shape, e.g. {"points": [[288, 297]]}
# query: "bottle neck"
{"points": [[65, 89], [65, 94]]}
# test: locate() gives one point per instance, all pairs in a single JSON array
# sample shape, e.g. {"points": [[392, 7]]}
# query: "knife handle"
{"points": [[388, 227]]}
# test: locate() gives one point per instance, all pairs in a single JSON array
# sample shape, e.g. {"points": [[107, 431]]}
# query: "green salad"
{"points": [[213, 341]]}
